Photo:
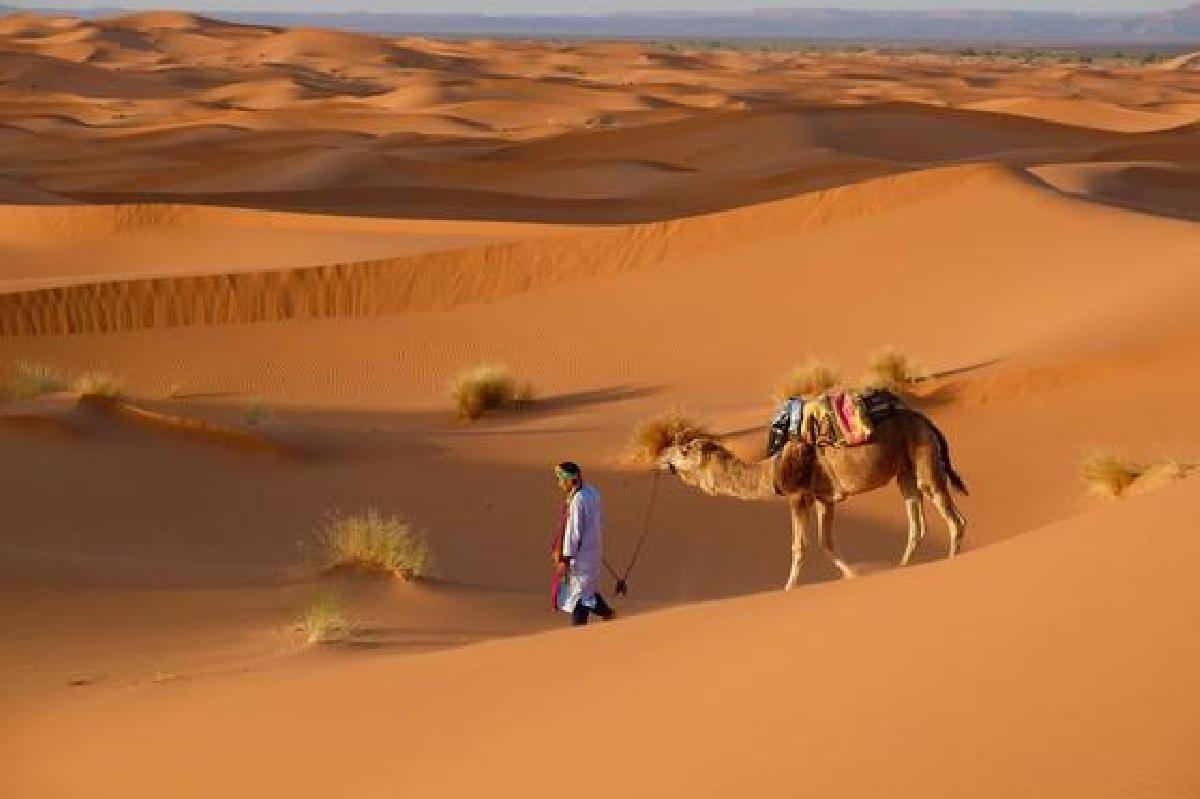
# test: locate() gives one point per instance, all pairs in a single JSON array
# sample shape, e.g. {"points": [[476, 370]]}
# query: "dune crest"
{"points": [[449, 278]]}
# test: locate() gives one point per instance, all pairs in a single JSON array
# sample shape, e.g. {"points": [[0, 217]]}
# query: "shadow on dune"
{"points": [[1164, 192], [599, 396], [421, 638], [226, 517]]}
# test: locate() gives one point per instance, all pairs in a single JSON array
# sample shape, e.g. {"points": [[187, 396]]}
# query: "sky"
{"points": [[602, 6]]}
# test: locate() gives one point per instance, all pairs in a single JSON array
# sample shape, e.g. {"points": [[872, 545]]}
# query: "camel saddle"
{"points": [[848, 418]]}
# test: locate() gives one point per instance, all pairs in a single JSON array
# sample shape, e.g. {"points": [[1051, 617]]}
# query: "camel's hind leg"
{"points": [[916, 515], [824, 513], [932, 481], [799, 505], [955, 523]]}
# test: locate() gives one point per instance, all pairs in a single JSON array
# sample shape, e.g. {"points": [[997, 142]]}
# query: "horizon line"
{"points": [[29, 6]]}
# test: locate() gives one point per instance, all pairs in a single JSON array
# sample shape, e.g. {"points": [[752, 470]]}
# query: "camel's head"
{"points": [[684, 455]]}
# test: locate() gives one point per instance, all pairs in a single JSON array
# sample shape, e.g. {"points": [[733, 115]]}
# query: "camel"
{"points": [[906, 447]]}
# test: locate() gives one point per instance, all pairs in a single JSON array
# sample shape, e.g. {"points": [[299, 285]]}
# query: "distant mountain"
{"points": [[1180, 25]]}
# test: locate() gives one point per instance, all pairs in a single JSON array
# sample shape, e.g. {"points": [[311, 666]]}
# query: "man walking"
{"points": [[578, 550]]}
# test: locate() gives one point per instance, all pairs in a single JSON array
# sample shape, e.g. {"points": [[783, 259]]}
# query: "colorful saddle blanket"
{"points": [[848, 418]]}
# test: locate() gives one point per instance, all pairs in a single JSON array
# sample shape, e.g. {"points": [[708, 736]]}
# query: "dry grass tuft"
{"points": [[1107, 473], [653, 435], [372, 542], [97, 384], [1159, 474], [323, 622], [254, 413], [490, 387], [808, 380], [891, 368], [29, 379]]}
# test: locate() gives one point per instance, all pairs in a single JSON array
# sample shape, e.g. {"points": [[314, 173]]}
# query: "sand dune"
{"points": [[284, 245], [916, 657], [1153, 186], [14, 192], [1089, 113], [164, 73], [452, 277], [99, 243]]}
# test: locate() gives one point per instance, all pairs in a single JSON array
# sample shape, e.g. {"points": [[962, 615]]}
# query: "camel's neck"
{"points": [[722, 473]]}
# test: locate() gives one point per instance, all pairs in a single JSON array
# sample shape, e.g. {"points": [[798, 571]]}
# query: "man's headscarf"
{"points": [[568, 470]]}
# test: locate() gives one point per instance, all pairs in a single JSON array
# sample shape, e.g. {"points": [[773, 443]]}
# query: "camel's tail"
{"points": [[947, 466]]}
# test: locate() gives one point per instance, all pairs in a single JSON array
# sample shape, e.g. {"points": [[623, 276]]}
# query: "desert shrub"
{"points": [[1107, 473], [97, 384], [323, 621], [654, 434], [1160, 473], [254, 413], [29, 379], [486, 388], [810, 379], [891, 368], [373, 542]]}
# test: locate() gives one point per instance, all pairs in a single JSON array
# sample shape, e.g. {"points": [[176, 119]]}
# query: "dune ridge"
{"points": [[447, 279], [190, 427]]}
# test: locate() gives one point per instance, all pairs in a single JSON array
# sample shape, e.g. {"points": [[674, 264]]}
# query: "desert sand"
{"points": [[286, 243]]}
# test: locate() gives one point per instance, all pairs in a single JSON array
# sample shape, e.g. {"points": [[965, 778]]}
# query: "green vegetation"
{"points": [[1124, 55], [29, 379], [323, 622]]}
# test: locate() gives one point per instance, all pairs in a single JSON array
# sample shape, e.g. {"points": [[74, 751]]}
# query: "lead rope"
{"points": [[622, 586]]}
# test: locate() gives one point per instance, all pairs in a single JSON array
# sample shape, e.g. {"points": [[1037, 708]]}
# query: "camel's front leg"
{"points": [[916, 515], [824, 513], [799, 506]]}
